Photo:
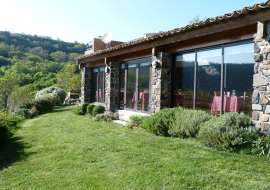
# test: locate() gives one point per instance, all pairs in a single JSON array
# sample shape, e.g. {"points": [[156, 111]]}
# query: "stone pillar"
{"points": [[261, 79], [112, 86], [160, 83], [86, 85]]}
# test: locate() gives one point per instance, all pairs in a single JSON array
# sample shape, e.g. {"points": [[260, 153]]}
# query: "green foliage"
{"points": [[7, 121], [7, 85], [90, 108], [24, 112], [261, 145], [230, 131], [159, 122], [98, 110], [187, 122], [26, 55], [78, 111], [135, 121], [84, 107], [195, 20], [58, 93], [43, 103]]}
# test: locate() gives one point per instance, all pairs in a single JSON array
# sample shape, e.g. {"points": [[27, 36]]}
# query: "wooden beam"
{"points": [[261, 29], [230, 24], [134, 55]]}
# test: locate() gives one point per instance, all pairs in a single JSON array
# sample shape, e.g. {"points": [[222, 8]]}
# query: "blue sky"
{"points": [[83, 20]]}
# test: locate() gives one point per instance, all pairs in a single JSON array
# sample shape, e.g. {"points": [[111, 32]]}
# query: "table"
{"points": [[178, 99], [142, 96], [232, 103], [100, 95]]}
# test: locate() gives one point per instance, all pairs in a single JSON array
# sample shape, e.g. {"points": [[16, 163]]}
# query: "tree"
{"points": [[59, 56], [8, 83], [194, 20], [75, 82], [64, 76]]}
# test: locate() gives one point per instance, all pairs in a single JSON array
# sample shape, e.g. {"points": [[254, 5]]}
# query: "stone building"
{"points": [[218, 65]]}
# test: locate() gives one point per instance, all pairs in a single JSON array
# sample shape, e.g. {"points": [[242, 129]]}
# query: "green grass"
{"points": [[62, 151]]}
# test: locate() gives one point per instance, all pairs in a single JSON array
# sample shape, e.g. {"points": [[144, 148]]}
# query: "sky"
{"points": [[83, 20]]}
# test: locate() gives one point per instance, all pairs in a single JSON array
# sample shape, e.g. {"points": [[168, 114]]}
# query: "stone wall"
{"points": [[261, 79], [160, 83], [112, 86], [86, 84]]}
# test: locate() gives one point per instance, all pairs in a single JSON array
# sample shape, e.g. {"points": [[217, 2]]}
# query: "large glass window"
{"points": [[122, 86], [208, 78], [238, 78], [236, 63], [131, 86], [143, 95], [98, 91], [184, 83]]}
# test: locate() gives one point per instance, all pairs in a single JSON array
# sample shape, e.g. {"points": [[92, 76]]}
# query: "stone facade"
{"points": [[160, 83], [112, 86], [86, 84], [261, 83]]}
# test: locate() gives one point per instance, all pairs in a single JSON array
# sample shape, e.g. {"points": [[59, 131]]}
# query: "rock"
{"points": [[256, 67], [262, 88], [255, 97], [265, 67], [267, 109], [258, 80], [263, 100], [266, 49], [256, 48], [264, 117], [258, 40], [257, 107], [268, 56], [257, 124], [266, 72], [257, 57], [265, 127], [255, 115], [266, 62]]}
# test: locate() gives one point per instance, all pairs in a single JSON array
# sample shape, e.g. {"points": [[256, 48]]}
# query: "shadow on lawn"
{"points": [[11, 152], [62, 108]]}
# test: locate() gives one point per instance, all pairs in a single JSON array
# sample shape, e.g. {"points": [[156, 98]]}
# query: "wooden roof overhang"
{"points": [[235, 29]]}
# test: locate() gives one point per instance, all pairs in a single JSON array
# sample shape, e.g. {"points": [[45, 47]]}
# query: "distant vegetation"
{"points": [[32, 63]]}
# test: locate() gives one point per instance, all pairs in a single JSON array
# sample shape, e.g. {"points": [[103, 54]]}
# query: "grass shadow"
{"points": [[12, 151], [62, 108]]}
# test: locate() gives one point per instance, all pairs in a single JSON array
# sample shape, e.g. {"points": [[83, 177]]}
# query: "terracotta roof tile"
{"points": [[226, 16]]}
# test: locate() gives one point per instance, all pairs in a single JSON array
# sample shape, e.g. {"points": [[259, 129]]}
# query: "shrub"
{"points": [[107, 116], [58, 93], [261, 146], [231, 131], [90, 108], [187, 122], [25, 112], [158, 123], [84, 107], [78, 111], [33, 110], [135, 121], [98, 110], [7, 122], [43, 104]]}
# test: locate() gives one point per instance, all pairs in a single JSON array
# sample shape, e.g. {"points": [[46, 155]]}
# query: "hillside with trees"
{"points": [[30, 63]]}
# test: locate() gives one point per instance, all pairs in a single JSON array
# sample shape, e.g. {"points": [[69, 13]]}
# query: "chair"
{"points": [[217, 93], [247, 104], [188, 99], [204, 104]]}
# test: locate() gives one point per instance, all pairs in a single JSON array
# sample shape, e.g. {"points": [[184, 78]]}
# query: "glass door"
{"points": [[134, 85]]}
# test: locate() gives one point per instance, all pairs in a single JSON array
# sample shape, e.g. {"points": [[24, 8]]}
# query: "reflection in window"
{"points": [[208, 78], [143, 96], [131, 86], [98, 92], [184, 81], [238, 77]]}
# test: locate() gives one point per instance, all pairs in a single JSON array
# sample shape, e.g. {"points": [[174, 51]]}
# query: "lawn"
{"points": [[62, 151]]}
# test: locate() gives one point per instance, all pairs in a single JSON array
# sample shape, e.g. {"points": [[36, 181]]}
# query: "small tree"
{"points": [[7, 85]]}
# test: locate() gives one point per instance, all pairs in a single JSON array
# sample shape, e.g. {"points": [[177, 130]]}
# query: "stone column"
{"points": [[160, 83], [112, 86], [261, 86], [86, 85]]}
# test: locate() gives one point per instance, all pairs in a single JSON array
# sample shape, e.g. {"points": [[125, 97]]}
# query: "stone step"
{"points": [[120, 122], [125, 114]]}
